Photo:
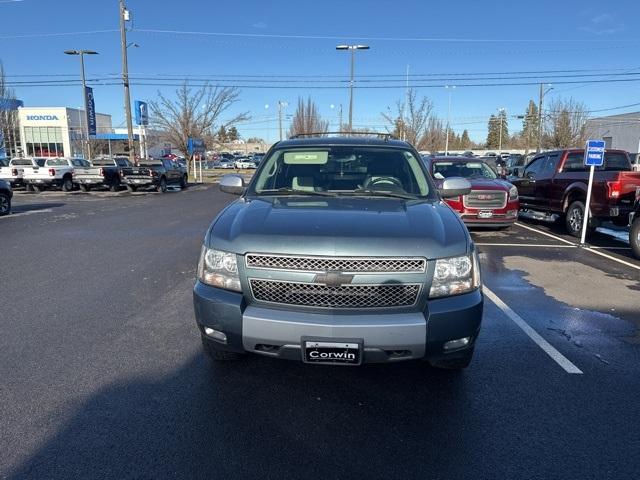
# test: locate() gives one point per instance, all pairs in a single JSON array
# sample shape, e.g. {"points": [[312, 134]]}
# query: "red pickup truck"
{"points": [[556, 183]]}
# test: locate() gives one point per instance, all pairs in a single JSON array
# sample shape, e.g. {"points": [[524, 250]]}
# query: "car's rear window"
{"points": [[21, 161], [613, 162], [57, 162]]}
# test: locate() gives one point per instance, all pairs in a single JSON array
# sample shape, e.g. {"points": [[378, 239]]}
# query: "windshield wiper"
{"points": [[291, 191], [378, 193]]}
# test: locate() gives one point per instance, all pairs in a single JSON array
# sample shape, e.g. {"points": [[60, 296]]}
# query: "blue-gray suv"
{"points": [[340, 251]]}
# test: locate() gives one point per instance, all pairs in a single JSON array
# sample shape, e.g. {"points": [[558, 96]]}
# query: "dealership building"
{"points": [[57, 131], [618, 131]]}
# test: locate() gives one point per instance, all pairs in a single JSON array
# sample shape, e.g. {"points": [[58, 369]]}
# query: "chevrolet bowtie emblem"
{"points": [[333, 279]]}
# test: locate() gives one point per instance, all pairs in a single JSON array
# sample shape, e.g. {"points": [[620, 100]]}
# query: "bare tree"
{"points": [[194, 114], [434, 135], [307, 119], [412, 118], [566, 124], [8, 117]]}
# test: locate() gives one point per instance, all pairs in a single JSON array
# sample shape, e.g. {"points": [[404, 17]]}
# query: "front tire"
{"points": [[634, 237], [162, 187], [84, 188], [216, 354], [5, 204], [184, 183], [67, 184]]}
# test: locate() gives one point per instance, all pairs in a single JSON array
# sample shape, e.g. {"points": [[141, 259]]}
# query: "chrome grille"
{"points": [[485, 199], [344, 296], [340, 264]]}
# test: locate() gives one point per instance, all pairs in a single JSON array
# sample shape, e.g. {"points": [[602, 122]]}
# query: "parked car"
{"points": [[340, 251], [103, 172], [514, 164], [244, 162], [555, 182], [5, 198], [492, 202], [497, 164], [634, 226], [12, 170], [257, 158], [154, 173], [56, 172]]}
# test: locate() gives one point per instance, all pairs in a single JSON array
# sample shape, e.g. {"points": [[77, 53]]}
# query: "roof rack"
{"points": [[385, 136]]}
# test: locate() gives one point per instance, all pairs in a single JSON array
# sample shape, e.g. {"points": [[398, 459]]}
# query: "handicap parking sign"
{"points": [[594, 153]]}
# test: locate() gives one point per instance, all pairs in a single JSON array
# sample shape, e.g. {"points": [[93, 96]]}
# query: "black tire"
{"points": [[28, 187], [84, 188], [36, 188], [634, 237], [217, 354], [132, 188], [115, 186], [67, 184], [457, 363], [574, 218], [5, 204], [162, 186], [184, 183]]}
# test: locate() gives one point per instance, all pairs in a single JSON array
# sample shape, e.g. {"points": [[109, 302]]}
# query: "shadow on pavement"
{"points": [[32, 207], [263, 418]]}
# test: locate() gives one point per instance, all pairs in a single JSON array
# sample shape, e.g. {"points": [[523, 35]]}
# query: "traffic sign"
{"points": [[594, 153]]}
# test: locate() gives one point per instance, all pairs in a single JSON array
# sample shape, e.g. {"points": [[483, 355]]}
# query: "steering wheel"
{"points": [[372, 183]]}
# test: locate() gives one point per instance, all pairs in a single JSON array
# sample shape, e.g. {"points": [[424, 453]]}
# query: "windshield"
{"points": [[342, 170], [4, 162], [462, 169]]}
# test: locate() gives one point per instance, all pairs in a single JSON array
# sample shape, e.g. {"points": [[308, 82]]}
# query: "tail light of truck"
{"points": [[52, 172], [14, 172], [102, 172], [153, 173], [614, 189]]}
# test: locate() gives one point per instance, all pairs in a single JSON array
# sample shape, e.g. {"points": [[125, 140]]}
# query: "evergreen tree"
{"points": [[504, 123], [233, 135], [221, 135], [465, 141], [530, 125], [493, 135]]}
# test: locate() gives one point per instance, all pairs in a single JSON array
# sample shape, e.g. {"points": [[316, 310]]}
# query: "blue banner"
{"points": [[92, 123], [142, 113], [195, 145]]}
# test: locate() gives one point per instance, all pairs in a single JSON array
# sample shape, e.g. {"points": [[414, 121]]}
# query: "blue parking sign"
{"points": [[594, 153]]}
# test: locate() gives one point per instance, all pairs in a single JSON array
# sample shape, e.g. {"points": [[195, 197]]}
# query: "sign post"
{"points": [[593, 157]]}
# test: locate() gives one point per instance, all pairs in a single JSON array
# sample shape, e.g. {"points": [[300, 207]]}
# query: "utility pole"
{"points": [[352, 49], [124, 16], [280, 105], [446, 142], [340, 117], [85, 130]]}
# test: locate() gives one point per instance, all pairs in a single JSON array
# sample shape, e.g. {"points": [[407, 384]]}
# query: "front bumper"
{"points": [[386, 337]]}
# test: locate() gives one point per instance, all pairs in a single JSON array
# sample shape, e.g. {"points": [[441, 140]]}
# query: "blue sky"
{"points": [[439, 38]]}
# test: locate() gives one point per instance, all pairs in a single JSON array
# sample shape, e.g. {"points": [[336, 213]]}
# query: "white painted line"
{"points": [[28, 212], [555, 237], [628, 264], [560, 359], [587, 248], [539, 245], [610, 248]]}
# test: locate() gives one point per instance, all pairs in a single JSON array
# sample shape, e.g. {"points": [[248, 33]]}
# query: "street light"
{"points": [[82, 53], [446, 144], [501, 114], [542, 94], [353, 49]]}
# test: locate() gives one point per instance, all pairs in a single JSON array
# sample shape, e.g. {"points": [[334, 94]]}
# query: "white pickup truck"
{"points": [[56, 172], [12, 169]]}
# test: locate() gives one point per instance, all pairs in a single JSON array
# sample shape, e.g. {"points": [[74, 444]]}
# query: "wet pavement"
{"points": [[103, 376]]}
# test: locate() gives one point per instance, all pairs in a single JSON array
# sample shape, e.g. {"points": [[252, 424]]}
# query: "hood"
{"points": [[345, 226], [484, 184]]}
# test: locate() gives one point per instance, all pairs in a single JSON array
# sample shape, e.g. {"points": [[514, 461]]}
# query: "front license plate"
{"points": [[485, 214], [334, 353]]}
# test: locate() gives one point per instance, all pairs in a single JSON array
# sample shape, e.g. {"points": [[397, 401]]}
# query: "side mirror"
{"points": [[233, 184], [454, 187]]}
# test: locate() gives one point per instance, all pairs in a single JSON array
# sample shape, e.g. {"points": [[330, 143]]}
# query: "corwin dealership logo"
{"points": [[42, 117]]}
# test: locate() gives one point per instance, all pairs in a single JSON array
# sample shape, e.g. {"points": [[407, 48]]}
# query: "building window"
{"points": [[44, 141], [608, 141]]}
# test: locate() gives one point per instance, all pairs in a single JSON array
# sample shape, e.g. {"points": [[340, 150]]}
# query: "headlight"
{"points": [[219, 269], [513, 193], [455, 275]]}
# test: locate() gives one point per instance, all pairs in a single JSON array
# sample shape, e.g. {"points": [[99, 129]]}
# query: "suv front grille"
{"points": [[486, 199], [341, 264], [344, 296]]}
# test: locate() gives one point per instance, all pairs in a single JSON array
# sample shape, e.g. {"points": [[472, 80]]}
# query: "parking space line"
{"points": [[534, 245], [586, 248], [560, 359], [555, 237]]}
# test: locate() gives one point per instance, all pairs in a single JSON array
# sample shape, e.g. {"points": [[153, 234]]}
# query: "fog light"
{"points": [[455, 344], [215, 334]]}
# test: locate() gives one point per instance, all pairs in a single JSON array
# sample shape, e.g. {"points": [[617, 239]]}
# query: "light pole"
{"points": [[125, 15], [281, 105], [542, 94], [81, 54], [446, 143], [501, 114], [353, 49]]}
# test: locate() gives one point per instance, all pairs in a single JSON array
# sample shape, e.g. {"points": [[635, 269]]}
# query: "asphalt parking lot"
{"points": [[103, 375]]}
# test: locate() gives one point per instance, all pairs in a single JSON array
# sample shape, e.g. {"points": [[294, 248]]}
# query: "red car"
{"points": [[493, 202]]}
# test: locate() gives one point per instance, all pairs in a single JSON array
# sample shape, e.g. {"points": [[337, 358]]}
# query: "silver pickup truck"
{"points": [[340, 251]]}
